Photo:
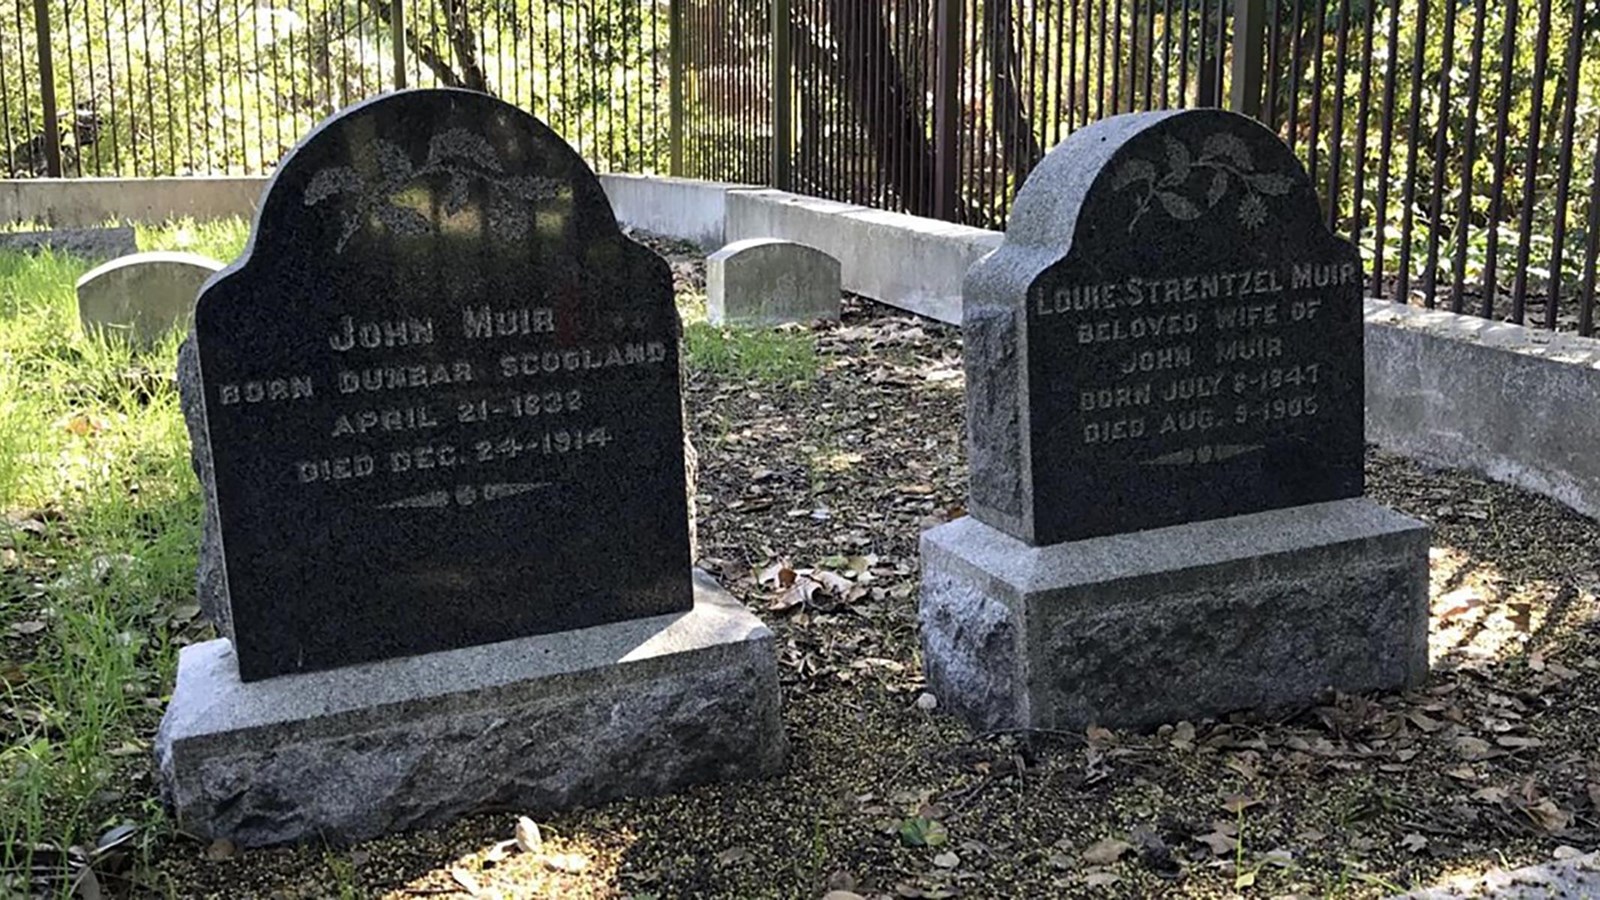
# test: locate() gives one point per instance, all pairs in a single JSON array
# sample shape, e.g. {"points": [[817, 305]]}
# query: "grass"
{"points": [[774, 356], [97, 554], [778, 356]]}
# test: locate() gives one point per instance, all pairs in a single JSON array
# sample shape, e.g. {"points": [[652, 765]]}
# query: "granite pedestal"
{"points": [[638, 707], [1258, 611]]}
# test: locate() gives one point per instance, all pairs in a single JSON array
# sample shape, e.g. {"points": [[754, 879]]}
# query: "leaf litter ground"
{"points": [[810, 497]]}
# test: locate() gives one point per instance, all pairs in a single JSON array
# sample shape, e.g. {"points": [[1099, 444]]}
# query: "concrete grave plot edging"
{"points": [[85, 202], [88, 243], [1515, 403]]}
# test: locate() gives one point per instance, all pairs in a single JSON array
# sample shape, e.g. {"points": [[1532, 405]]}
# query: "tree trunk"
{"points": [[459, 32], [1019, 145], [890, 113]]}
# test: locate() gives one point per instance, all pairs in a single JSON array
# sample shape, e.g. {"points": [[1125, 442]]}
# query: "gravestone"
{"points": [[144, 295], [1164, 403], [89, 243], [435, 412], [767, 281]]}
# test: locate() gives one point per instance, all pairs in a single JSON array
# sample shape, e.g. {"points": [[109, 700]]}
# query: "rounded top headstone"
{"points": [[440, 395], [142, 296], [1168, 333]]}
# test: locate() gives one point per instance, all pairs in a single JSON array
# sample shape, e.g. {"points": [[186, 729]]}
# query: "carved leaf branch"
{"points": [[463, 156], [1228, 160]]}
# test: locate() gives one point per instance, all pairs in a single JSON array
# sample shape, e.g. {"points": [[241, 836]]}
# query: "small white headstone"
{"points": [[143, 295], [766, 281]]}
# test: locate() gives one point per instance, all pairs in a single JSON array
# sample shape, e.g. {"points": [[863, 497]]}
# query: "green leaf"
{"points": [[922, 832]]}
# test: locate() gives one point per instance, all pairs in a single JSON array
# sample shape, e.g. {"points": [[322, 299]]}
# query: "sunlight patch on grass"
{"points": [[220, 239], [774, 356]]}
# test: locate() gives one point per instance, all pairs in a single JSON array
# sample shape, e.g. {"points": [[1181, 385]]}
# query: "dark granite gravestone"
{"points": [[1164, 399], [441, 396], [1188, 336], [435, 412]]}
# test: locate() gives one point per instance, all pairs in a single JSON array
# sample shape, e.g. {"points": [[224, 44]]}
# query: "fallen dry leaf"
{"points": [[1491, 795], [571, 863], [1238, 803], [1473, 749], [1101, 879], [1414, 842], [1106, 851], [1182, 737], [735, 855], [528, 837], [465, 879], [1424, 723], [500, 852], [1548, 816], [947, 860], [1220, 844]]}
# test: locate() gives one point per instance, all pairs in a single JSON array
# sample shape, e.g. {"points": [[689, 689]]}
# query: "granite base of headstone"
{"points": [[541, 723], [87, 243], [1260, 611], [1164, 410], [143, 296], [436, 417], [761, 282]]}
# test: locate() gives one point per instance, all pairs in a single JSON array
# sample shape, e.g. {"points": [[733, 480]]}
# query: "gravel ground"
{"points": [[810, 499]]}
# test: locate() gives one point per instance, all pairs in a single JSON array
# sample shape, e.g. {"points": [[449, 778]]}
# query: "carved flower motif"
{"points": [[1252, 211]]}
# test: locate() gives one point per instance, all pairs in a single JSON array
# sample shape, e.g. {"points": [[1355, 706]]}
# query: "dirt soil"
{"points": [[810, 499]]}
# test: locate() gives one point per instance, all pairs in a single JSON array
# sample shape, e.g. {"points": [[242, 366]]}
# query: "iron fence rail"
{"points": [[1455, 140]]}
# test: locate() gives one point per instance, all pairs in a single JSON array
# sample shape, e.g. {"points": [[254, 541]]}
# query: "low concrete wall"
{"points": [[906, 261], [1517, 404], [681, 208], [80, 202]]}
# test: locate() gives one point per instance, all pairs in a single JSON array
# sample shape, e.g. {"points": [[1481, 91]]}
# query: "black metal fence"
{"points": [[181, 87], [1455, 140]]}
